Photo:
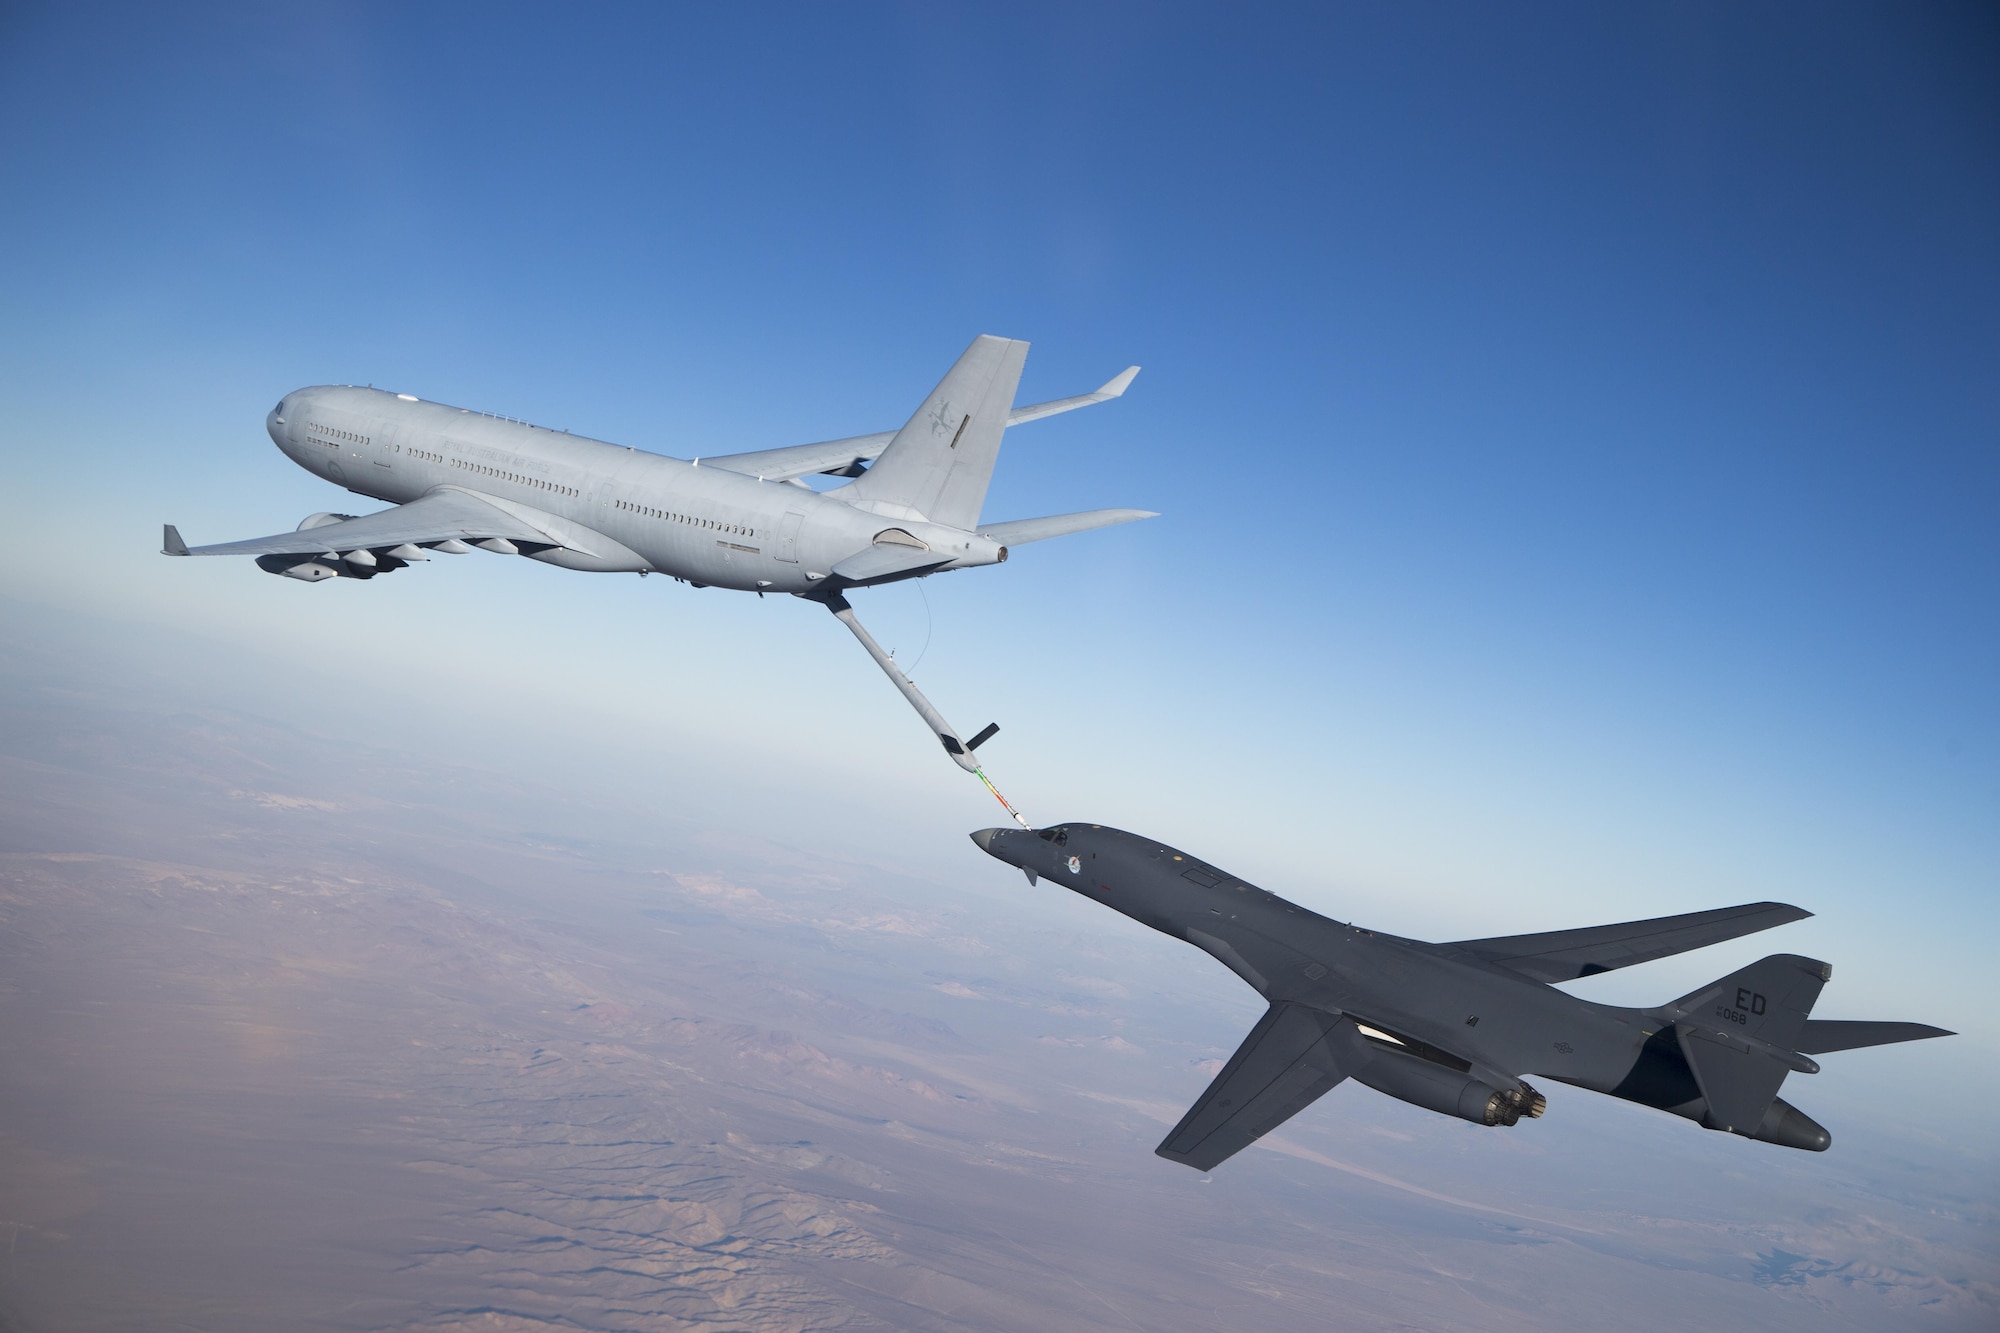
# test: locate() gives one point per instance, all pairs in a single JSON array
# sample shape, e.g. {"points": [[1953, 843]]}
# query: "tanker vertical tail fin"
{"points": [[941, 461]]}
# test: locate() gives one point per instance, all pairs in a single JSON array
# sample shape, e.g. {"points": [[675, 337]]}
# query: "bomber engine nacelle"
{"points": [[1437, 1087]]}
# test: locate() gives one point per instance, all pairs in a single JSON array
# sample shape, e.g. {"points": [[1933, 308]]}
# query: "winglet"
{"points": [[1113, 388], [1118, 384], [171, 543]]}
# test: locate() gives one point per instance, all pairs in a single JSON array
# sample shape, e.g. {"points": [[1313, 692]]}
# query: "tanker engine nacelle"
{"points": [[1437, 1087], [356, 564], [312, 571]]}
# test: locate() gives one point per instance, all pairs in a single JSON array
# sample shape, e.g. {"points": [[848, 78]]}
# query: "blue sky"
{"points": [[1575, 430]]}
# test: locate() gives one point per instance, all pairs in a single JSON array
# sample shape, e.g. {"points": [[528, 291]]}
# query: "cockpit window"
{"points": [[1058, 836], [280, 408]]}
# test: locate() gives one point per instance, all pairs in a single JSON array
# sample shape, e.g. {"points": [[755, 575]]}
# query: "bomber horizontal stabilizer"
{"points": [[1563, 955], [1288, 1061], [1839, 1034]]}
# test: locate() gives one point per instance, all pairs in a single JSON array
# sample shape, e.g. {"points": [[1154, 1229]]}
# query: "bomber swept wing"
{"points": [[1564, 955], [844, 458], [1289, 1060]]}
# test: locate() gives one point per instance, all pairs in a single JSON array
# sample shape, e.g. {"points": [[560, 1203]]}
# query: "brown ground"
{"points": [[298, 1037]]}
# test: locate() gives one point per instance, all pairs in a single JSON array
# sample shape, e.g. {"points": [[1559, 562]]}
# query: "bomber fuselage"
{"points": [[1500, 1023]]}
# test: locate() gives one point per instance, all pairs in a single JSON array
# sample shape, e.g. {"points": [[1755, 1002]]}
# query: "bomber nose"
{"points": [[985, 839]]}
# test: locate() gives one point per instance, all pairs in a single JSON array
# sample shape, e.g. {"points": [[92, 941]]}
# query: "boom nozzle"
{"points": [[960, 752]]}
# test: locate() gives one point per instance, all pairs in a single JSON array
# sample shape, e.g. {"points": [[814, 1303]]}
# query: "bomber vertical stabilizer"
{"points": [[1741, 1036]]}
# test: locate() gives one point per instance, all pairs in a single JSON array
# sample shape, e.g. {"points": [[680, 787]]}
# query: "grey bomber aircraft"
{"points": [[461, 479], [1453, 1027]]}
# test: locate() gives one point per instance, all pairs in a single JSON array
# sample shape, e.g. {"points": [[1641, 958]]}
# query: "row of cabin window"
{"points": [[738, 529], [537, 482], [343, 434]]}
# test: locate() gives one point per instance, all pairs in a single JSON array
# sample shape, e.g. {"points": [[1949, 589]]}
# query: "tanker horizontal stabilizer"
{"points": [[885, 561], [1019, 531]]}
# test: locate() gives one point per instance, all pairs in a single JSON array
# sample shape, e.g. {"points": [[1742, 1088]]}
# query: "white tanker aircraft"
{"points": [[460, 479]]}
